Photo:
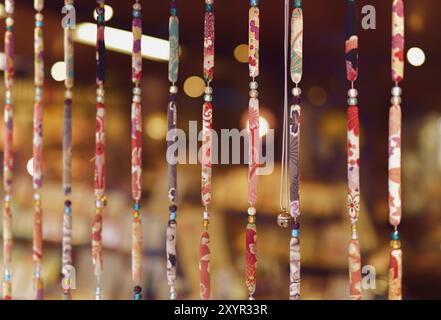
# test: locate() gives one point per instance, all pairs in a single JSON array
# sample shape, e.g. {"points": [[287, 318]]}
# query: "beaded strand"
{"points": [[67, 267], [353, 161], [136, 117], [8, 150], [206, 161], [100, 199], [395, 205], [253, 178], [38, 150], [172, 108]]}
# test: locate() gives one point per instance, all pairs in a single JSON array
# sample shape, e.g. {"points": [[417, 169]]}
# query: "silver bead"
{"points": [[137, 91], [396, 91], [173, 296], [36, 196], [296, 92], [68, 94], [136, 99], [9, 21], [251, 211], [8, 94], [173, 89], [208, 90], [352, 101], [100, 99], [353, 93], [395, 101], [8, 198], [209, 1], [137, 6], [254, 85], [206, 215], [208, 97], [100, 92], [254, 93]]}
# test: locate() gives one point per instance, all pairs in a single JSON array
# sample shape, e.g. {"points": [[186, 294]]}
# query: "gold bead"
{"points": [[136, 214], [206, 223], [252, 219], [395, 244]]}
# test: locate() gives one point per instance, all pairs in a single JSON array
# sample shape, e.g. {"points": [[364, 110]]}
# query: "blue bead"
{"points": [[137, 206], [254, 3], [100, 19], [39, 24], [8, 101], [67, 210], [7, 277], [297, 3], [172, 215], [138, 296], [295, 233], [136, 13], [209, 7], [395, 235], [173, 11]]}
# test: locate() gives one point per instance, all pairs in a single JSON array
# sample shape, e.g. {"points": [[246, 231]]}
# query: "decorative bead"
{"points": [[396, 101], [296, 225], [172, 215], [68, 94], [353, 93], [208, 97], [137, 6], [206, 223], [254, 85], [173, 208], [295, 233], [173, 11], [100, 92], [37, 196], [296, 92], [137, 206], [206, 215], [396, 91], [395, 235], [283, 220], [251, 219], [39, 17], [251, 211], [395, 244], [208, 90], [352, 101], [136, 98], [173, 89], [67, 210], [209, 1], [173, 296], [254, 3], [137, 91], [254, 93], [136, 13], [98, 203], [67, 203], [9, 21], [209, 8], [8, 197], [100, 99], [297, 3]]}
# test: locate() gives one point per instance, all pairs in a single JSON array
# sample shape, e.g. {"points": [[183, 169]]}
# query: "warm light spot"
{"points": [[241, 53], [416, 56], [108, 13], [30, 167], [2, 11], [416, 22], [58, 71], [194, 86], [317, 96], [156, 126]]}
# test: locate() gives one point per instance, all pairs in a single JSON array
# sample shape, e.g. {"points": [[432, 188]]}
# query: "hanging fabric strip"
{"points": [[206, 158], [172, 110], [100, 201], [353, 161], [8, 154], [67, 268], [136, 137], [38, 150], [395, 205], [254, 147], [296, 70]]}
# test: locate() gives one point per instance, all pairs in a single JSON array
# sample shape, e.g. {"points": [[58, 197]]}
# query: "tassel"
{"points": [[204, 266], [354, 270], [251, 259], [171, 258], [137, 250], [294, 287], [395, 274]]}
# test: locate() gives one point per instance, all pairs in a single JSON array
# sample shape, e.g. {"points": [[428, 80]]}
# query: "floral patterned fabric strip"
{"points": [[395, 120], [209, 45], [172, 115], [296, 45], [67, 157], [100, 201], [294, 269], [353, 161], [254, 41], [204, 266], [8, 153]]}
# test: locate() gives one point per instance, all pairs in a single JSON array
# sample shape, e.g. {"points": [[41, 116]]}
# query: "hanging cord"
{"points": [[284, 179]]}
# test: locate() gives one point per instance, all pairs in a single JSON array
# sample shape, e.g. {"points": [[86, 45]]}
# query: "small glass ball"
{"points": [[100, 99], [136, 99], [9, 21], [251, 211], [296, 92], [254, 85], [353, 93], [137, 91], [396, 91], [100, 92], [352, 101], [208, 97], [68, 94], [254, 93], [137, 6], [8, 94], [206, 215], [209, 1], [284, 220], [173, 89], [39, 17], [208, 90], [396, 101]]}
